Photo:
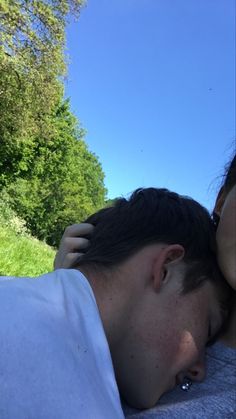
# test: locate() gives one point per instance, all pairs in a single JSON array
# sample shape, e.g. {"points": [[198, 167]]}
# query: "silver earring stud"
{"points": [[186, 384]]}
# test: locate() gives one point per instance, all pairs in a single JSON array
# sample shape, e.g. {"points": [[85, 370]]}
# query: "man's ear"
{"points": [[169, 255]]}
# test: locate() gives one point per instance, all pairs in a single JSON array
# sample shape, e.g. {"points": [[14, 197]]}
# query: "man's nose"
{"points": [[197, 372]]}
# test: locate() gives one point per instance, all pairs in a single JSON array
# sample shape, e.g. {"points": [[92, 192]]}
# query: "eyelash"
{"points": [[211, 339], [209, 331]]}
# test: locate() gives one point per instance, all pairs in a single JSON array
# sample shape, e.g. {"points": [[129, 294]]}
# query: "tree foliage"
{"points": [[32, 65], [32, 57], [50, 177], [63, 184]]}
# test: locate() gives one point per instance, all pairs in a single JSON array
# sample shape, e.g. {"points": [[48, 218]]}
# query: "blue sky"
{"points": [[152, 82]]}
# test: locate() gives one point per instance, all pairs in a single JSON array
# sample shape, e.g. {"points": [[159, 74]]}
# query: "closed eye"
{"points": [[214, 333], [210, 338], [214, 338]]}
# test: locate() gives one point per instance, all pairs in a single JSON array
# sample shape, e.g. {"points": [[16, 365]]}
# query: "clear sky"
{"points": [[153, 84]]}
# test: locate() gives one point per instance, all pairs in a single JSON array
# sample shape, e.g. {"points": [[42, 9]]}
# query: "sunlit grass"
{"points": [[22, 255]]}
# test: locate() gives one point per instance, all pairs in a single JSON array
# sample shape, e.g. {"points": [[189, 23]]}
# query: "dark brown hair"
{"points": [[154, 216], [229, 180], [230, 175]]}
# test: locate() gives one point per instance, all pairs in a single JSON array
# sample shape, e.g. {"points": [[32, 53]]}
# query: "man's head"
{"points": [[152, 265]]}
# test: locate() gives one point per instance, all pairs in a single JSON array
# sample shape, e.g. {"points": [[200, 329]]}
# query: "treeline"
{"points": [[47, 174]]}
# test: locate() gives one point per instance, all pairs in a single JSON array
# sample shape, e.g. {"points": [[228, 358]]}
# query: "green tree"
{"points": [[32, 67], [47, 174], [64, 184]]}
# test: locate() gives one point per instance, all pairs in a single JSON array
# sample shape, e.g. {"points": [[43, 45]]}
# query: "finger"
{"points": [[67, 262], [71, 259], [78, 230], [71, 244]]}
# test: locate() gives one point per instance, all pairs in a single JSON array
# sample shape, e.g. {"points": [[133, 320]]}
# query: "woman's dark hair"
{"points": [[229, 181], [153, 216], [230, 175]]}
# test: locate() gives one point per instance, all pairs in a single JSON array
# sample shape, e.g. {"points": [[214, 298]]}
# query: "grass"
{"points": [[22, 255]]}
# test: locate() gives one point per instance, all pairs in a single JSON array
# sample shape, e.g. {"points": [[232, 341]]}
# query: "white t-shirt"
{"points": [[55, 361]]}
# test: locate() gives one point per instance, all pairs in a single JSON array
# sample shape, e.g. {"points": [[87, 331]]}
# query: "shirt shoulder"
{"points": [[54, 356]]}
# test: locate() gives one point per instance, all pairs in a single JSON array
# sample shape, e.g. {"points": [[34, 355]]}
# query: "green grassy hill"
{"points": [[22, 255]]}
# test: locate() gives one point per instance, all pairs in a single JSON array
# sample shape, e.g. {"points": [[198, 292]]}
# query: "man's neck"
{"points": [[107, 292]]}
